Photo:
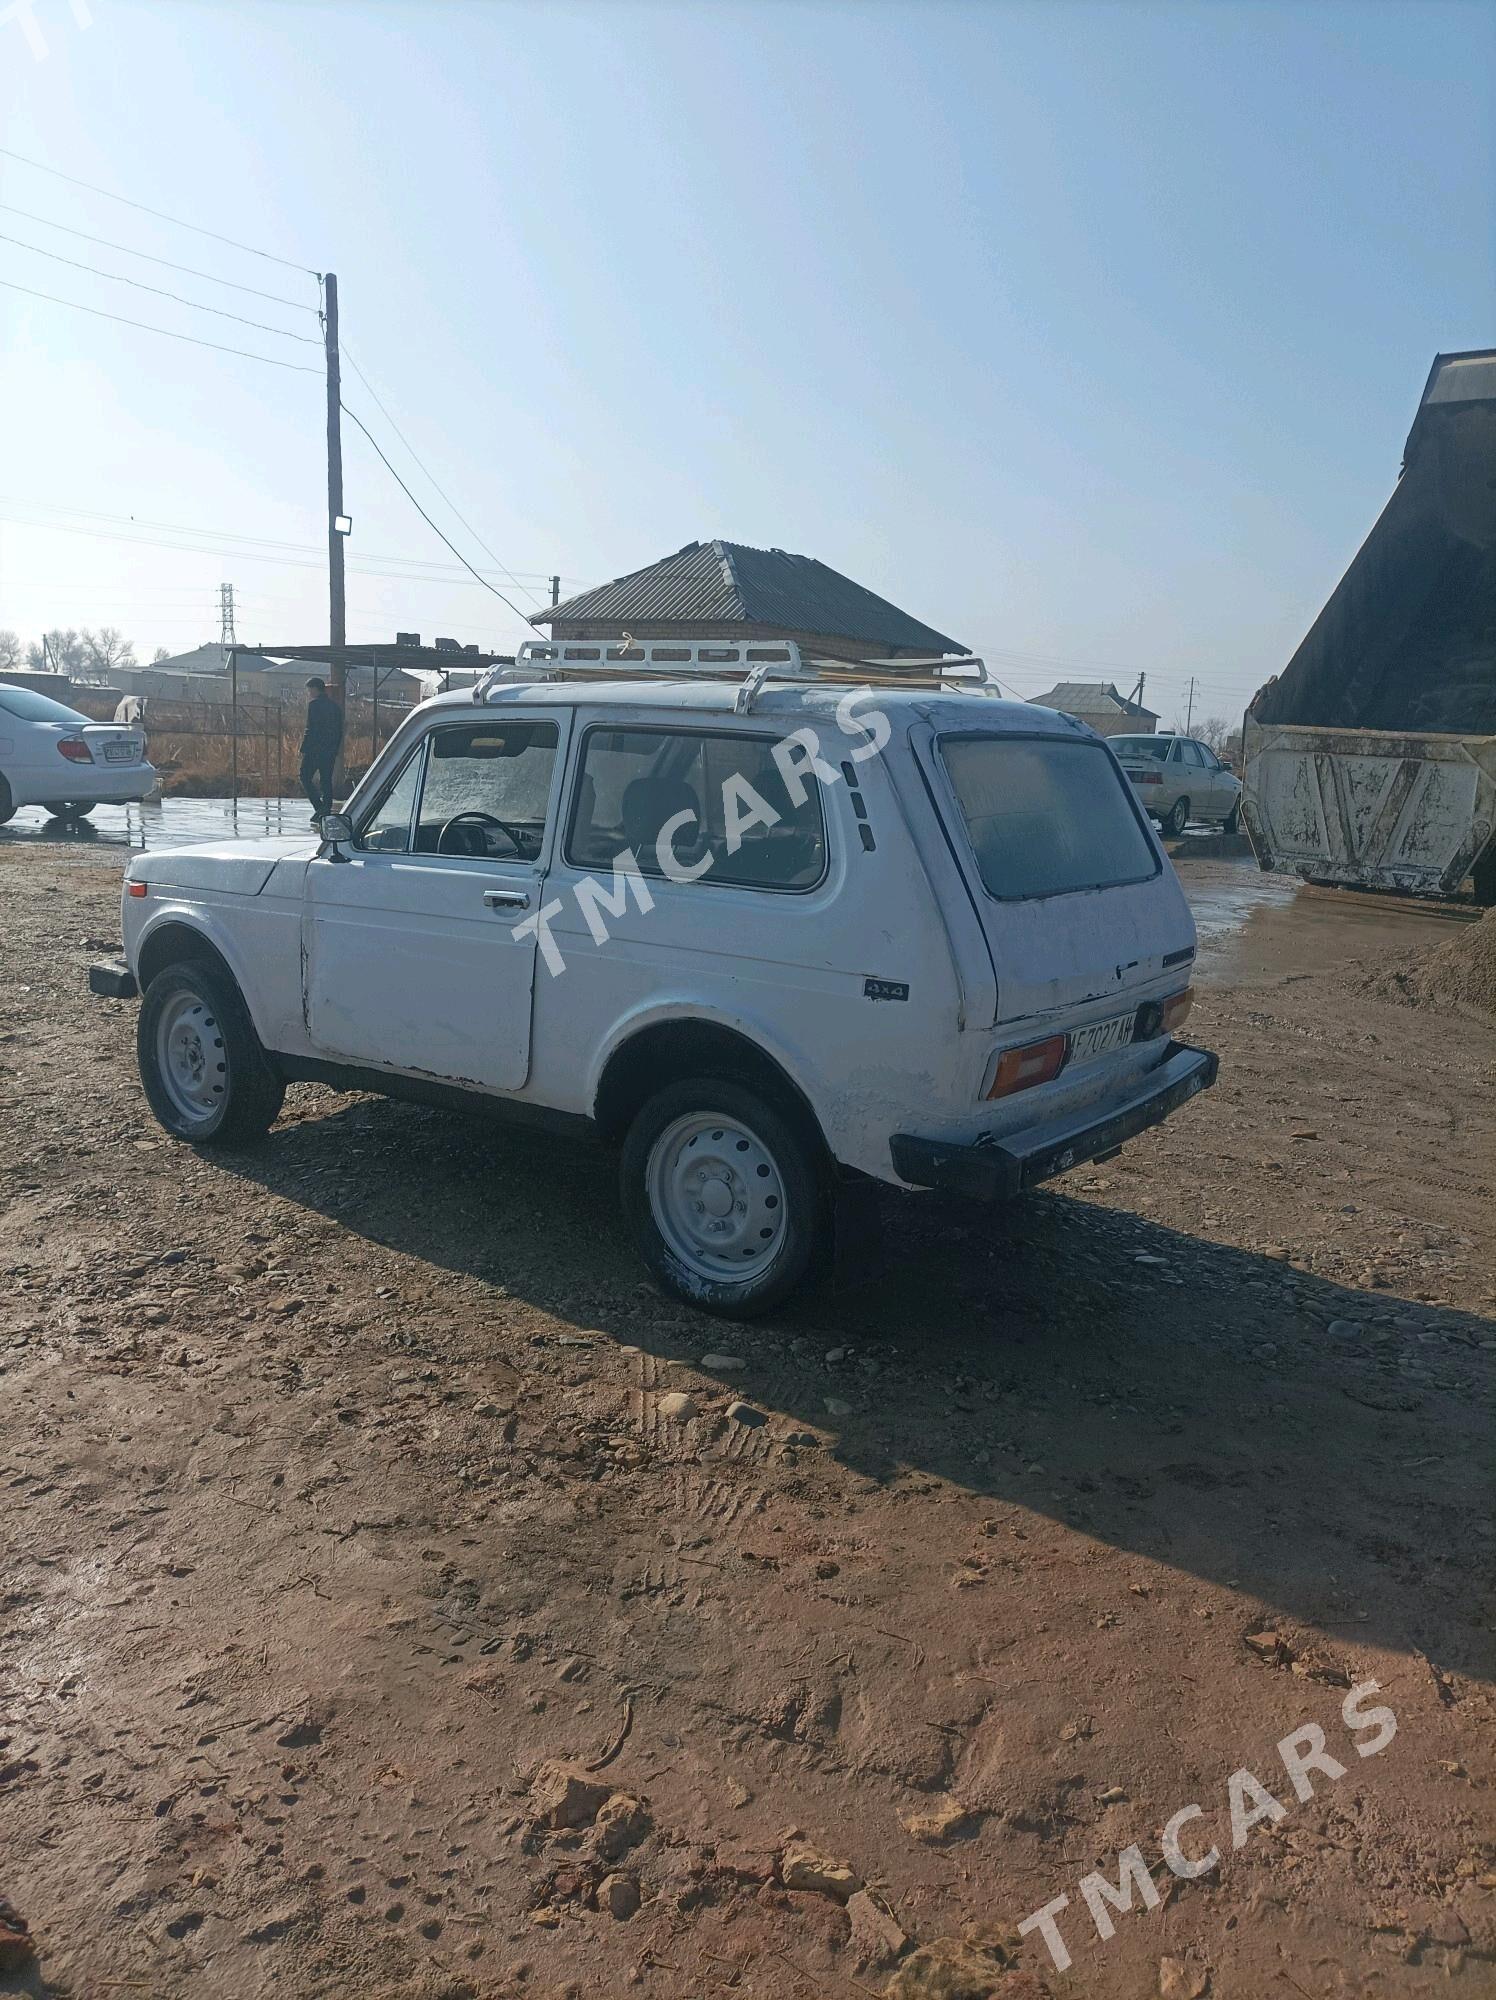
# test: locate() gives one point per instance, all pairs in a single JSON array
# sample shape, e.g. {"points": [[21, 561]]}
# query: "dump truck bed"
{"points": [[1369, 808], [1372, 758]]}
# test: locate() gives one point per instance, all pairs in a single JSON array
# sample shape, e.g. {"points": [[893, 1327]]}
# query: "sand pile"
{"points": [[1461, 972]]}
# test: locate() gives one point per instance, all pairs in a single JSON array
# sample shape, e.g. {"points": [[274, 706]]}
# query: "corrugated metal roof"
{"points": [[721, 582], [1090, 698]]}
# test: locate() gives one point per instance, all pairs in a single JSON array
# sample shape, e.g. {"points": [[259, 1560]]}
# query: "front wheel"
{"points": [[70, 808], [1232, 821], [726, 1199], [1178, 818], [206, 1076]]}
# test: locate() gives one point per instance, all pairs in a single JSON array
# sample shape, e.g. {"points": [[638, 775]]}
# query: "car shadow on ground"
{"points": [[1229, 1415]]}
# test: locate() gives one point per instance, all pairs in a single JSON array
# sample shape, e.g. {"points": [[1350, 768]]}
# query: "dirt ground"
{"points": [[338, 1508]]}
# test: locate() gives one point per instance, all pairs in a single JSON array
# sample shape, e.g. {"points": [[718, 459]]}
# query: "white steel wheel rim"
{"points": [[191, 1060], [717, 1197]]}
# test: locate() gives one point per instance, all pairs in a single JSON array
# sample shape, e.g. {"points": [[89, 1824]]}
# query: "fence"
{"points": [[248, 749]]}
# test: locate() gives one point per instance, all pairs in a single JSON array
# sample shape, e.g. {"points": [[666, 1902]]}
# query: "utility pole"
{"points": [[555, 590], [336, 522], [1137, 693], [1189, 708]]}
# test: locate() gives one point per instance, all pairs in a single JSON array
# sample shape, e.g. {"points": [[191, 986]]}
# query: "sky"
{"points": [[1088, 333]]}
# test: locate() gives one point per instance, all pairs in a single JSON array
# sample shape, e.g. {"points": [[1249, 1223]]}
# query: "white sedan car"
{"points": [[1180, 779], [51, 756]]}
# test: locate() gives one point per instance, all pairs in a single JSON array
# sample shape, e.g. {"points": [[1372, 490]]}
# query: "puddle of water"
{"points": [[1248, 922], [170, 823], [1224, 894]]}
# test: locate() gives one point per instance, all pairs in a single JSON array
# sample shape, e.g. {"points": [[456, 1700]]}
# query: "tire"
{"points": [[69, 808], [1232, 822], [750, 1150], [206, 1076], [1177, 818], [1483, 878], [7, 804]]}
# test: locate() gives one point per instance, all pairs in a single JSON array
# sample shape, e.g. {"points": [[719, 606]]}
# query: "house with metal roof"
{"points": [[726, 590], [1099, 704]]}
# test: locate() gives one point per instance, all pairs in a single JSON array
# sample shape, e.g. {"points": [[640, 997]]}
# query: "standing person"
{"points": [[320, 742]]}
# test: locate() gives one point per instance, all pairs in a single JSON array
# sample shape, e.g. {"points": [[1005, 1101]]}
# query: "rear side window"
{"points": [[30, 706], [1046, 818], [695, 805]]}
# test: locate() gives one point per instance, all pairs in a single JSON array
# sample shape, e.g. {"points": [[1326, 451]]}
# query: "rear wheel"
{"points": [[206, 1076], [1177, 818], [7, 803], [725, 1197], [1483, 878]]}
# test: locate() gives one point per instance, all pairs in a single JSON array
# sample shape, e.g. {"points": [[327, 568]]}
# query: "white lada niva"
{"points": [[778, 929]]}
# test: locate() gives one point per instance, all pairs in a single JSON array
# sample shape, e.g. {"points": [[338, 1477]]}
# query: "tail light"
{"points": [[1147, 777], [1021, 1069], [1176, 1010], [75, 750]]}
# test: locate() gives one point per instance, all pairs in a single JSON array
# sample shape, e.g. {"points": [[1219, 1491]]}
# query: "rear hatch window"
{"points": [[1046, 817]]}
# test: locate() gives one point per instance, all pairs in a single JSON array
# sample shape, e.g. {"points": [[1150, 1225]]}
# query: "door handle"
{"points": [[506, 899]]}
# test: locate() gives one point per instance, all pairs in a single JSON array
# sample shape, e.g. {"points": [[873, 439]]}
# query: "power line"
{"points": [[522, 615], [410, 578], [117, 278], [188, 270], [160, 214], [219, 534], [416, 456], [145, 326]]}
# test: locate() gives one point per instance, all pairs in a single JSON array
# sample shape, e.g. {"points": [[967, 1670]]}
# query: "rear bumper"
{"points": [[85, 784], [113, 978], [994, 1172]]}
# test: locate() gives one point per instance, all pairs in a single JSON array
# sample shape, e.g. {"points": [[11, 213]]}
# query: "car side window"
{"points": [[695, 805], [387, 829], [1176, 752], [485, 790], [1208, 757]]}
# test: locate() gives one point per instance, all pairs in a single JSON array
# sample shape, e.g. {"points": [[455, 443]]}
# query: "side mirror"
{"points": [[337, 832]]}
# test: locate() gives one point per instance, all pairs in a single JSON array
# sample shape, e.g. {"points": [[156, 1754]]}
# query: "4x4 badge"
{"points": [[884, 989]]}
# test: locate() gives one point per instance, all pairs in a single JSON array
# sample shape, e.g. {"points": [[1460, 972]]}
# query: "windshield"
{"points": [[1046, 818], [1141, 746], [32, 707]]}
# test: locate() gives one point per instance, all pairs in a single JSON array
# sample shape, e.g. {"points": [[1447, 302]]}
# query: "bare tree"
{"points": [[108, 648], [61, 650], [12, 652], [1223, 735], [159, 655]]}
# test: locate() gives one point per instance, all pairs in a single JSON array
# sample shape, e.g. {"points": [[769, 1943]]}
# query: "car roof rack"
{"points": [[751, 663]]}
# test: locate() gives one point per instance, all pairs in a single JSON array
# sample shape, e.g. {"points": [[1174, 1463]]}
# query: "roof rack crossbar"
{"points": [[751, 664]]}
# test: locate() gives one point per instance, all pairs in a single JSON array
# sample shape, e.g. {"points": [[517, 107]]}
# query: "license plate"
{"points": [[1102, 1037], [120, 753]]}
